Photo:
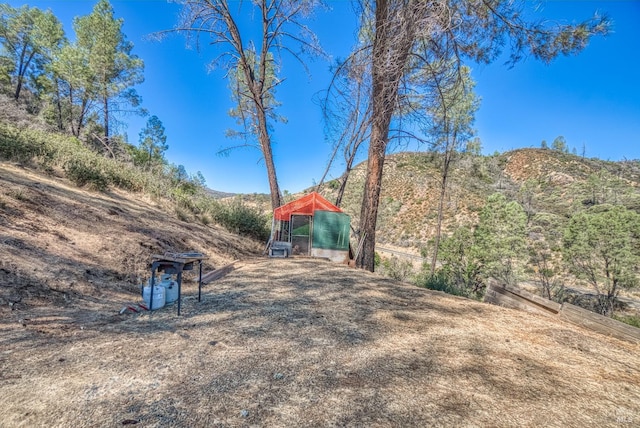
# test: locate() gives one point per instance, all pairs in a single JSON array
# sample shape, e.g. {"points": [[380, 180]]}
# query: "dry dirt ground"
{"points": [[310, 343], [274, 343]]}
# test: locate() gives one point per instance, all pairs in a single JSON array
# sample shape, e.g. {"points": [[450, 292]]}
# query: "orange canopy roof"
{"points": [[304, 206]]}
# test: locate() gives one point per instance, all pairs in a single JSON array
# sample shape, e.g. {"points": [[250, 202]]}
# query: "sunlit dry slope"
{"points": [[69, 248], [302, 342]]}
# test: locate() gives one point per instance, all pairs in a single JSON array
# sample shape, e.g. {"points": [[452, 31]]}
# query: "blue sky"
{"points": [[592, 99]]}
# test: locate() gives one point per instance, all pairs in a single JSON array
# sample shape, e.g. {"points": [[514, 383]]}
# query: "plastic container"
{"points": [[171, 288], [159, 296]]}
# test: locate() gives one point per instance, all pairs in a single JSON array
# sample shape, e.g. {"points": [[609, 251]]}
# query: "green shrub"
{"points": [[205, 219], [633, 320], [182, 215], [81, 165], [439, 282], [241, 219], [16, 145], [124, 176], [86, 172], [333, 184], [397, 269]]}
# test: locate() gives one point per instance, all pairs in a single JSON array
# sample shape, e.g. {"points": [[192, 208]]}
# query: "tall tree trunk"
{"points": [[393, 39], [81, 116], [347, 172], [263, 131], [343, 186], [22, 71], [265, 137], [265, 144], [59, 105], [255, 82], [105, 109], [16, 95], [73, 128], [371, 196], [443, 191]]}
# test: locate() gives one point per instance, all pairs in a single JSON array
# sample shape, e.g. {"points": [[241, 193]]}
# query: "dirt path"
{"points": [[295, 342]]}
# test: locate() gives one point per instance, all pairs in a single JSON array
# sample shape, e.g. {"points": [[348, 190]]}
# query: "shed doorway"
{"points": [[300, 235]]}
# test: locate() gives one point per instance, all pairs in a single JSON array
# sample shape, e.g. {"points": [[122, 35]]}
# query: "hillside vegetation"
{"points": [[544, 181], [79, 227], [540, 194], [519, 237], [67, 248], [557, 221]]}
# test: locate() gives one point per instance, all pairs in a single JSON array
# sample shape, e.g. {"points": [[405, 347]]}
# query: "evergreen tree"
{"points": [[153, 143], [74, 93], [253, 63], [560, 144], [500, 238], [114, 69], [473, 147], [452, 117], [461, 266], [408, 34], [29, 36], [544, 245], [602, 247]]}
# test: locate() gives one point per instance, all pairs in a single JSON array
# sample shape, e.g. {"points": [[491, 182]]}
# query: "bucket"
{"points": [[171, 288], [159, 298]]}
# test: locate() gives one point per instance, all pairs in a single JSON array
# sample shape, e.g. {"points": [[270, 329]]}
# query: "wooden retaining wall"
{"points": [[218, 273], [516, 298]]}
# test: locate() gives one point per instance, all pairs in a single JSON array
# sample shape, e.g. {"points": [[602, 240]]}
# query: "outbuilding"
{"points": [[310, 226]]}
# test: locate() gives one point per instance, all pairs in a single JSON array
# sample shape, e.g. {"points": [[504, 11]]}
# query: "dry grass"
{"points": [[68, 246], [276, 342], [310, 343]]}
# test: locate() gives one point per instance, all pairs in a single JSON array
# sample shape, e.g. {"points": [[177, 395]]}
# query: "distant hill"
{"points": [[219, 195], [544, 181], [550, 185]]}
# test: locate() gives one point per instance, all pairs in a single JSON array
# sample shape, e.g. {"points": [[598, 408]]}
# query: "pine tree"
{"points": [[153, 143], [254, 63], [408, 34], [29, 36], [602, 247], [114, 69], [500, 238]]}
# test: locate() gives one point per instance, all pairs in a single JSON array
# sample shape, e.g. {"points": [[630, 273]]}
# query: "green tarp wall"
{"points": [[331, 230]]}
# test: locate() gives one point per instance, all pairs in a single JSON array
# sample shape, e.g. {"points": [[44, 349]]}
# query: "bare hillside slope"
{"points": [[71, 249]]}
